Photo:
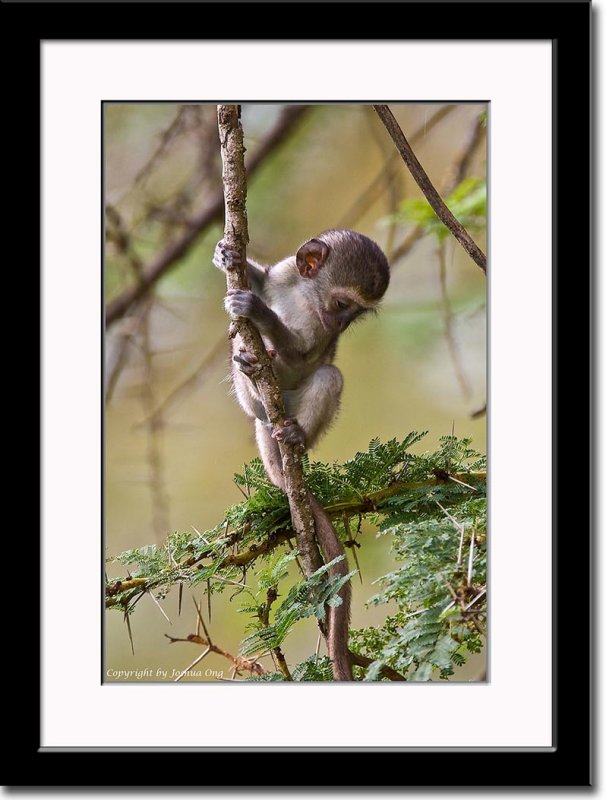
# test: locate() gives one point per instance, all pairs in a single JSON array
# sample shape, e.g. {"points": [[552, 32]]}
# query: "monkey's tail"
{"points": [[338, 618]]}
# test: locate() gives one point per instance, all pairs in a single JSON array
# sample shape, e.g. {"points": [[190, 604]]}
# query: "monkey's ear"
{"points": [[311, 257]]}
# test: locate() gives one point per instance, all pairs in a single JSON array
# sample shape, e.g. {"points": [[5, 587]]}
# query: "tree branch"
{"points": [[248, 664], [365, 662], [440, 208], [455, 175], [236, 238], [264, 618], [174, 251], [120, 592], [373, 191]]}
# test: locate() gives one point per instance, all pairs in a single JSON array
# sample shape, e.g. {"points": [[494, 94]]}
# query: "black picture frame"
{"points": [[568, 26]]}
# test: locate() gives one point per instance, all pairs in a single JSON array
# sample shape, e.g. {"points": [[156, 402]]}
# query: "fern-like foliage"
{"points": [[431, 506], [305, 599], [440, 592]]}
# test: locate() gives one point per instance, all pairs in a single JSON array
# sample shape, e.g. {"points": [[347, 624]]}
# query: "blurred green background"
{"points": [[172, 470]]}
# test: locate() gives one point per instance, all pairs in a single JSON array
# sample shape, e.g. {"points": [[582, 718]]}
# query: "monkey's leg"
{"points": [[316, 402]]}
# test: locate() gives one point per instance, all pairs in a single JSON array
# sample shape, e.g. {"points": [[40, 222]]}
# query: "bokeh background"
{"points": [[174, 435]]}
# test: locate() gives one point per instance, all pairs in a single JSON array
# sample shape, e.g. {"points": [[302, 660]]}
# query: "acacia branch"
{"points": [[121, 592], [248, 664], [440, 208], [236, 238], [277, 651], [211, 213], [365, 662]]}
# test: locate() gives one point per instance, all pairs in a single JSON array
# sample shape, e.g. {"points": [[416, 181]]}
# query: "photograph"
{"points": [[295, 392]]}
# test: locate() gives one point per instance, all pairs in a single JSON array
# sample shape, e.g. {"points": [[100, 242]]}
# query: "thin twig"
{"points": [[460, 553], [374, 189], [470, 562], [277, 653], [192, 665], [462, 483], [455, 522], [130, 633], [454, 176], [422, 179], [162, 611], [475, 599], [199, 613]]}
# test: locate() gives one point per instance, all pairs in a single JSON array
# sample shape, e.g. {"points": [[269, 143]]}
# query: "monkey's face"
{"points": [[342, 308]]}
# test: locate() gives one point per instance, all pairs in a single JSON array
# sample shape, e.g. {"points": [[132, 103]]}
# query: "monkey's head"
{"points": [[349, 272]]}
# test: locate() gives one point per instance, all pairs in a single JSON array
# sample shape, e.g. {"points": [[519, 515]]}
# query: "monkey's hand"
{"points": [[244, 303], [291, 432], [226, 259]]}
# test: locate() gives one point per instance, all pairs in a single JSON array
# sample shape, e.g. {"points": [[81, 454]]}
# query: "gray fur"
{"points": [[300, 316]]}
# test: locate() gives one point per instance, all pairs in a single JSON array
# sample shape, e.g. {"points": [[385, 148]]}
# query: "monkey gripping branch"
{"points": [[236, 239], [282, 356], [300, 306]]}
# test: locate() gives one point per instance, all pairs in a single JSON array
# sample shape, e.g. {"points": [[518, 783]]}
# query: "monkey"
{"points": [[301, 306]]}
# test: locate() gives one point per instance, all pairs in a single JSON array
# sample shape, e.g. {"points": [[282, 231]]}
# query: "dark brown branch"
{"points": [[208, 215], [236, 238], [264, 618], [424, 183]]}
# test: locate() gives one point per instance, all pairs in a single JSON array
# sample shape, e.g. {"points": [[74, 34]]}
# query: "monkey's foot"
{"points": [[247, 362], [291, 432], [225, 259]]}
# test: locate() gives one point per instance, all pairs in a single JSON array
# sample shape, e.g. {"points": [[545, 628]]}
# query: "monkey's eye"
{"points": [[342, 304]]}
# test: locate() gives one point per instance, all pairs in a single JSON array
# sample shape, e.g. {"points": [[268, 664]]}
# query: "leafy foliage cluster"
{"points": [[467, 202], [431, 506]]}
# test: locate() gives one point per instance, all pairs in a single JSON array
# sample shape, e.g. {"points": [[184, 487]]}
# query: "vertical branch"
{"points": [[440, 208], [236, 238], [277, 652]]}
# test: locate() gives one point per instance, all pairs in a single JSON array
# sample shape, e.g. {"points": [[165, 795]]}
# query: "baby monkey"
{"points": [[301, 306]]}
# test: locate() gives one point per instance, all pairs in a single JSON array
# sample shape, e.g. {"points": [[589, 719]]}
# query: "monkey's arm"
{"points": [[244, 303], [225, 259]]}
